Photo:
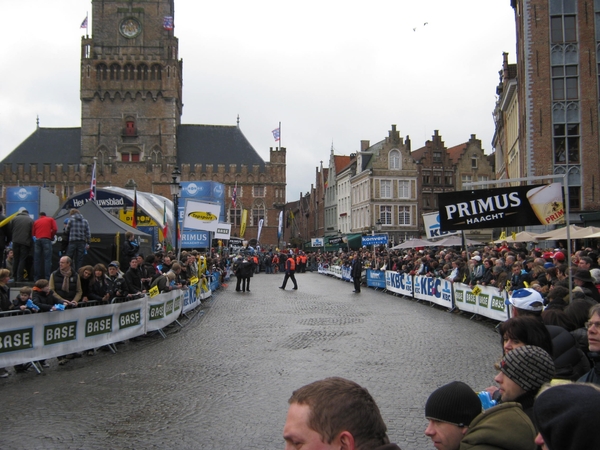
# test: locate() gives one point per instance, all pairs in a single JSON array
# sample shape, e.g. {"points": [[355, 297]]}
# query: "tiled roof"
{"points": [[205, 144], [48, 145], [456, 152], [215, 144], [418, 153], [341, 162]]}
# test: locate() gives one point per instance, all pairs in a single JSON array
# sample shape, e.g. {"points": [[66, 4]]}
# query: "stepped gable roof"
{"points": [[47, 145], [215, 144], [456, 152]]}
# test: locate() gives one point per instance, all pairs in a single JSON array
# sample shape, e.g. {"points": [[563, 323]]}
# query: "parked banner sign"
{"points": [[432, 226], [502, 207]]}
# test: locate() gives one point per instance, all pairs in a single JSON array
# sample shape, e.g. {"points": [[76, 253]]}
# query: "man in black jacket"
{"points": [[356, 272]]}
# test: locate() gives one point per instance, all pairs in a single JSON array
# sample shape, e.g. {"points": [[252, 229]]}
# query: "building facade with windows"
{"points": [[385, 189], [131, 105], [558, 79]]}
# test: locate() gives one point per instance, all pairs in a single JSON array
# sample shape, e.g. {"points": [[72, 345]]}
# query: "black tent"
{"points": [[108, 236]]}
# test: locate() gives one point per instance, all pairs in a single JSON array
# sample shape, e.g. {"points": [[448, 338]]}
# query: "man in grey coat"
{"points": [[22, 229]]}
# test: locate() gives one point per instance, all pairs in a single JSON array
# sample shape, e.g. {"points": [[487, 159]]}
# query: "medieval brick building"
{"points": [[131, 106]]}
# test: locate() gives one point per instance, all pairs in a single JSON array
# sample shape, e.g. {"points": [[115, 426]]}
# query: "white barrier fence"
{"points": [[38, 336], [485, 301]]}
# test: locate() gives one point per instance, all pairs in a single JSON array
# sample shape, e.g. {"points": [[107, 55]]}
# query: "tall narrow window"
{"points": [[115, 72], [403, 215], [130, 128], [385, 214], [129, 72], [403, 189], [563, 29], [385, 187], [142, 72]]}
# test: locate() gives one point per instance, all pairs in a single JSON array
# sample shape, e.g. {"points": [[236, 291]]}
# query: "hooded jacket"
{"points": [[503, 427]]}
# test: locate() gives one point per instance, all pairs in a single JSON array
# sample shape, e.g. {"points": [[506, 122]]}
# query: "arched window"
{"points": [[115, 72], [101, 72], [129, 72], [156, 155], [130, 128], [258, 212], [142, 72], [155, 73], [394, 161]]}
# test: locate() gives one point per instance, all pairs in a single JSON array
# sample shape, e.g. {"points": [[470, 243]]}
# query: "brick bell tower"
{"points": [[131, 83]]}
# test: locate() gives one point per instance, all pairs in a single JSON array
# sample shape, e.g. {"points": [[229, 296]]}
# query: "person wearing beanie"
{"points": [[567, 417], [523, 371], [450, 410]]}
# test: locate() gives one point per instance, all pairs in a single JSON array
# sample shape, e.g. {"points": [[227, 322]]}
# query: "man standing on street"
{"points": [[22, 229], [44, 230], [356, 272], [290, 269], [78, 230]]}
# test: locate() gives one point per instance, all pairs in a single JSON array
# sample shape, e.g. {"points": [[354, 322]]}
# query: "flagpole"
{"points": [[280, 136], [87, 24]]}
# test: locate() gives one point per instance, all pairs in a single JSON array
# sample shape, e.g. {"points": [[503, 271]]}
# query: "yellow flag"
{"points": [[514, 235], [193, 281], [9, 218], [476, 290], [153, 292], [243, 224], [503, 235]]}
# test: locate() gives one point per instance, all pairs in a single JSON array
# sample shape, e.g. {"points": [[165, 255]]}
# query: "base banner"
{"points": [[486, 301], [164, 309], [46, 335], [434, 290]]}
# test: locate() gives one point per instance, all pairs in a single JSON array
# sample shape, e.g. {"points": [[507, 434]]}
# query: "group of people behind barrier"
{"points": [[548, 382]]}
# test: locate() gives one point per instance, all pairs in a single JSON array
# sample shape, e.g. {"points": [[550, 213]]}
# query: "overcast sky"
{"points": [[331, 72]]}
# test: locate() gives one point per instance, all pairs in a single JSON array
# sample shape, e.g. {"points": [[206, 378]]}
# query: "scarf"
{"points": [[66, 274]]}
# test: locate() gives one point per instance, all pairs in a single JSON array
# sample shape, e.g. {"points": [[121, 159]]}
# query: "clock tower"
{"points": [[131, 83]]}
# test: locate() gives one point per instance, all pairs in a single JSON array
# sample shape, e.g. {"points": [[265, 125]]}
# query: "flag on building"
{"points": [[280, 227], [84, 24], [93, 183], [234, 197], [168, 22], [276, 133], [165, 223], [134, 217], [243, 224]]}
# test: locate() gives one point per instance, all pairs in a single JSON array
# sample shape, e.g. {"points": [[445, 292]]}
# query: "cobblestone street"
{"points": [[222, 382]]}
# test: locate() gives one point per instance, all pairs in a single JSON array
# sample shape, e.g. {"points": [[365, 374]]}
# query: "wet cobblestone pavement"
{"points": [[222, 382]]}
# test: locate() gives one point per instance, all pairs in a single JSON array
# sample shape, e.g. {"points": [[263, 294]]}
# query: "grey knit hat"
{"points": [[455, 403], [528, 366]]}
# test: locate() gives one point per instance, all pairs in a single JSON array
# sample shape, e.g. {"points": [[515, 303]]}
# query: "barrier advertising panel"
{"points": [[435, 290], [486, 301], [399, 283], [376, 278]]}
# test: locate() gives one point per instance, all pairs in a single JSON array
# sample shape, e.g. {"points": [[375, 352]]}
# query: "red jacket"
{"points": [[44, 228]]}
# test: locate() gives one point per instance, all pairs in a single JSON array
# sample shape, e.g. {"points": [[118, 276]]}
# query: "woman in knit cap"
{"points": [[567, 417]]}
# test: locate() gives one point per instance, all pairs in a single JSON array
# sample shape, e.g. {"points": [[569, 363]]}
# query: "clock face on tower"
{"points": [[130, 27]]}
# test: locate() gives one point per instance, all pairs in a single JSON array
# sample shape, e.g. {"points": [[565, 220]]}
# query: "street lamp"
{"points": [[175, 192]]}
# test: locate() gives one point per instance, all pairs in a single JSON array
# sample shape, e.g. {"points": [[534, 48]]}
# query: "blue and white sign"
{"points": [[376, 278], [317, 242], [378, 239], [432, 226], [195, 239]]}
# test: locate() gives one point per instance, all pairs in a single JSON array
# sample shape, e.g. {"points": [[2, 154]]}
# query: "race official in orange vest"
{"points": [[290, 270]]}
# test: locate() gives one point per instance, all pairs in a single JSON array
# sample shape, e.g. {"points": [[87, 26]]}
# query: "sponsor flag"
{"points": [[280, 228], [84, 24], [514, 235], [243, 224], [165, 223], [503, 236], [93, 183], [134, 217], [276, 133], [234, 197], [168, 22], [260, 225]]}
